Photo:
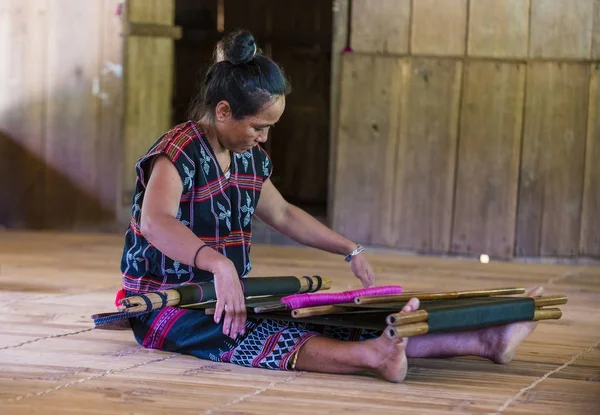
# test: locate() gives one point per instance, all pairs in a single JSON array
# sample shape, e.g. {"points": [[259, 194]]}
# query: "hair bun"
{"points": [[239, 47]]}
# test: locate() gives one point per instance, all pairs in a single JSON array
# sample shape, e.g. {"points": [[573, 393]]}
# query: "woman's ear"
{"points": [[223, 111]]}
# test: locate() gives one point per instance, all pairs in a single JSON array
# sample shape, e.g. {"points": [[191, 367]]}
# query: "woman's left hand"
{"points": [[362, 270]]}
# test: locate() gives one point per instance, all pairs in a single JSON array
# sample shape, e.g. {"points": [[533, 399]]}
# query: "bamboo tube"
{"points": [[319, 311], [416, 329], [421, 315], [270, 307], [174, 297], [550, 300], [398, 319], [301, 312], [547, 314], [135, 303], [408, 330], [305, 285], [439, 295]]}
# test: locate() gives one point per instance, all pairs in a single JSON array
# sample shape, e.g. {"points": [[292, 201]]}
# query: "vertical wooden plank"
{"points": [[339, 39], [439, 27], [23, 40], [383, 28], [485, 206], [367, 138], [151, 11], [561, 29], [596, 31], [110, 135], [590, 225], [149, 63], [148, 87], [426, 156], [499, 28], [72, 118], [549, 213]]}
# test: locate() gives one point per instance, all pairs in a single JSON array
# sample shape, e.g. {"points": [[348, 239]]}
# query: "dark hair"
{"points": [[240, 75]]}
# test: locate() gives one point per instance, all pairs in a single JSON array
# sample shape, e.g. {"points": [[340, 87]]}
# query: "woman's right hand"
{"points": [[230, 299]]}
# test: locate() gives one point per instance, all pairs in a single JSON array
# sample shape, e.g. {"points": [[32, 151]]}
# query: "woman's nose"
{"points": [[263, 136]]}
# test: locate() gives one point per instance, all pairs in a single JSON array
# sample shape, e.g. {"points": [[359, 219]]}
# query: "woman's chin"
{"points": [[242, 150]]}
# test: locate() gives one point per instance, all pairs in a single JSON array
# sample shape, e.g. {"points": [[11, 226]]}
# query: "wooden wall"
{"points": [[60, 111], [297, 35], [470, 126]]}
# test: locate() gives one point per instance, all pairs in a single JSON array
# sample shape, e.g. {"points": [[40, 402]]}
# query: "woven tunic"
{"points": [[218, 208]]}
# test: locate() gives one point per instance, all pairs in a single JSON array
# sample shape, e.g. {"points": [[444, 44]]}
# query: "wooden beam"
{"points": [[338, 43], [153, 30]]}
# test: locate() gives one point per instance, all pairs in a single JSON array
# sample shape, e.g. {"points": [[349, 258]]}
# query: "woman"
{"points": [[198, 189]]}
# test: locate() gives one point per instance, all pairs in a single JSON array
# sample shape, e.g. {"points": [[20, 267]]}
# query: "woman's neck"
{"points": [[212, 136]]}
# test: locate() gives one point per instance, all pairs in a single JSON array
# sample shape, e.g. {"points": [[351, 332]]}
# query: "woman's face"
{"points": [[240, 136]]}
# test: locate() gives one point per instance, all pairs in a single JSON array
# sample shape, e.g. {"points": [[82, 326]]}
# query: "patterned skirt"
{"points": [[268, 344]]}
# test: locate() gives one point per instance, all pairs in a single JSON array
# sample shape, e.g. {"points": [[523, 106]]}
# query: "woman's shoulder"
{"points": [[181, 139], [184, 134]]}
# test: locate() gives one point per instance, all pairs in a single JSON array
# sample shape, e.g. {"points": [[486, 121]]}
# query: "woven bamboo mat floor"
{"points": [[52, 361]]}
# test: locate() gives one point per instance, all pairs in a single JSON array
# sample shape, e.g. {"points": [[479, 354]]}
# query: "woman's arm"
{"points": [[159, 225], [298, 225], [158, 221], [301, 227]]}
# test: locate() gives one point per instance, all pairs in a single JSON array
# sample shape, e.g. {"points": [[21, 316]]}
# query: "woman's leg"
{"points": [[382, 356], [387, 358], [498, 343]]}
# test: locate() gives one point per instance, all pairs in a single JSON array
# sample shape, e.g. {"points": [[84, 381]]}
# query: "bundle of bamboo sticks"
{"points": [[416, 322], [471, 309]]}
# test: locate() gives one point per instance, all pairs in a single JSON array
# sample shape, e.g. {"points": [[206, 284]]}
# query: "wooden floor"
{"points": [[53, 361]]}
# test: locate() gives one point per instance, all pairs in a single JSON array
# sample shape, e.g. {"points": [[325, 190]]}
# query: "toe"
{"points": [[414, 303], [535, 292]]}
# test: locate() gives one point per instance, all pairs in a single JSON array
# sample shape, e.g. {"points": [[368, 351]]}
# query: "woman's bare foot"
{"points": [[500, 343], [390, 354], [381, 356]]}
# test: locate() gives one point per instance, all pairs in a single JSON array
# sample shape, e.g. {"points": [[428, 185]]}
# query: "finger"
{"points": [[227, 322], [371, 276], [368, 278], [413, 304], [240, 319], [219, 310]]}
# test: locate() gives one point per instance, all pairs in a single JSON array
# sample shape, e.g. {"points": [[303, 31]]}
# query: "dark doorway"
{"points": [[298, 35]]}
